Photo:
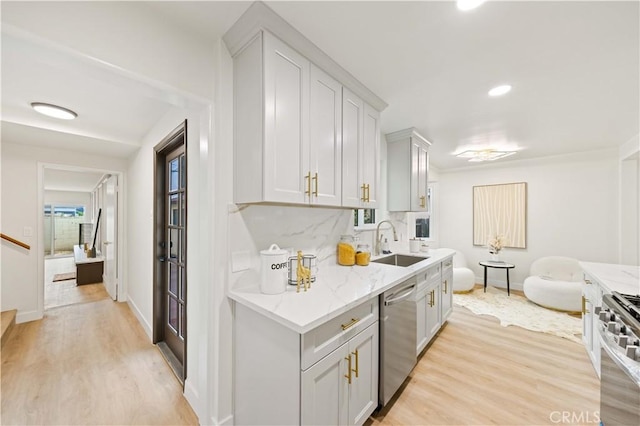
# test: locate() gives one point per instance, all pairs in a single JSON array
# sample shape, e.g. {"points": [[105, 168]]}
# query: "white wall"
{"points": [[572, 210], [70, 198], [22, 172], [630, 202], [139, 241], [127, 35]]}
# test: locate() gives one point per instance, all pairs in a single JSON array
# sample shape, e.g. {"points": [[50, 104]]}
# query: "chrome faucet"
{"points": [[379, 237]]}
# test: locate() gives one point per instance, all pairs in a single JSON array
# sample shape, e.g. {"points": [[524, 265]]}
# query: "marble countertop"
{"points": [[336, 290], [621, 278]]}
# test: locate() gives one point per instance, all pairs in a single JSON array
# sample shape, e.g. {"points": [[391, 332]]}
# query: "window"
{"points": [[364, 217]]}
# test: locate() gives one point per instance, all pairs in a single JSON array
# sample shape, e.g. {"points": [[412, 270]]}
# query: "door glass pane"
{"points": [[174, 209], [173, 174], [173, 313], [182, 316], [183, 207], [174, 244], [173, 279], [183, 169], [182, 289]]}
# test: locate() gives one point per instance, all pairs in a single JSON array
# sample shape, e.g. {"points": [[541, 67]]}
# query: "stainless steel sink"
{"points": [[400, 260]]}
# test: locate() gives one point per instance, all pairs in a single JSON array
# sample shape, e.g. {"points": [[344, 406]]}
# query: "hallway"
{"points": [[88, 363], [63, 293]]}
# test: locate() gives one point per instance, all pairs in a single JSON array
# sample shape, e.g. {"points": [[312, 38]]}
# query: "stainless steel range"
{"points": [[620, 359]]}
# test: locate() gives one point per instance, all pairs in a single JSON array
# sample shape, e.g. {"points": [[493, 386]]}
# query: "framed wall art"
{"points": [[500, 210]]}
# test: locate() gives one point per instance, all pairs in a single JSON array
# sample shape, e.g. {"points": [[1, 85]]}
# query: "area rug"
{"points": [[64, 277], [519, 311]]}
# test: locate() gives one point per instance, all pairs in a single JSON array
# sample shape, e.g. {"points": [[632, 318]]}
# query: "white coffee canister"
{"points": [[273, 274]]}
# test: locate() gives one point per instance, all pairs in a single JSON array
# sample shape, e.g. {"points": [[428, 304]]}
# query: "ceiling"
{"points": [[574, 68], [71, 180]]}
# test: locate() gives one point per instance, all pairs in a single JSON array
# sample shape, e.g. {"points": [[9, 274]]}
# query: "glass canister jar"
{"points": [[363, 254], [346, 251]]}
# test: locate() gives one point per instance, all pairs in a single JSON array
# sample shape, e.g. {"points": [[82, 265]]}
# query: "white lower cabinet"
{"points": [[434, 301], [342, 388], [591, 298], [326, 376], [447, 289]]}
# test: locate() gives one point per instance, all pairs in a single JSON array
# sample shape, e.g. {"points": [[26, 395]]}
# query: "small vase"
{"points": [[495, 257]]}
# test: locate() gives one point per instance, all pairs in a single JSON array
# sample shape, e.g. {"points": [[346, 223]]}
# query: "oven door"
{"points": [[619, 384]]}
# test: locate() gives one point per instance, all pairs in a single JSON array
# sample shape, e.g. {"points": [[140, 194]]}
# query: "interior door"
{"points": [[109, 243]]}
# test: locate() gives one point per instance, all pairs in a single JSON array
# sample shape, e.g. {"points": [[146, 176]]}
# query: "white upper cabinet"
{"points": [[325, 159], [408, 171], [360, 152], [289, 119]]}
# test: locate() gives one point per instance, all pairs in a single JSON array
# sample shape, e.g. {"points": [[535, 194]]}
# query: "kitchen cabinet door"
{"points": [[286, 112], [325, 161], [433, 309], [421, 314], [408, 171], [370, 154], [325, 390], [353, 190], [363, 391]]}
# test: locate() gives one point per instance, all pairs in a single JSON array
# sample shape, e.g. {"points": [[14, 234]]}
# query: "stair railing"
{"points": [[14, 241]]}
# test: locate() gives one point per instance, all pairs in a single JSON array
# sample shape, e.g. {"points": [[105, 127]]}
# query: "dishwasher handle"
{"points": [[404, 295]]}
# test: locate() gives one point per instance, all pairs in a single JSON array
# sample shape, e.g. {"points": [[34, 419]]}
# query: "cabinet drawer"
{"points": [[429, 275], [447, 266], [322, 340]]}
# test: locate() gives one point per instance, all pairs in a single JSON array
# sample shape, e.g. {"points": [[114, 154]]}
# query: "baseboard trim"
{"points": [[28, 316], [193, 397], [141, 319]]}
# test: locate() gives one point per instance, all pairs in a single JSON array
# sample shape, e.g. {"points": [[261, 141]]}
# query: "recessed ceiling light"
{"points": [[54, 111], [500, 90], [465, 5]]}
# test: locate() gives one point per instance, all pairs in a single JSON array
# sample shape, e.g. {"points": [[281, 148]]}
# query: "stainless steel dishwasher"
{"points": [[398, 337]]}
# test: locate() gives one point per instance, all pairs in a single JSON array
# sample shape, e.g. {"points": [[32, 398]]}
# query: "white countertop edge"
{"points": [[435, 256], [614, 277]]}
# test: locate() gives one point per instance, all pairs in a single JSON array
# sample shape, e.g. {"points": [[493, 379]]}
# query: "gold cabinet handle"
{"points": [[356, 370], [431, 297], [587, 281], [364, 192], [350, 324], [308, 179], [315, 178], [445, 287], [348, 375], [584, 305], [423, 201], [368, 194]]}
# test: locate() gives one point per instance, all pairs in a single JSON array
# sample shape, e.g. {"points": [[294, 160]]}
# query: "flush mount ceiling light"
{"points": [[54, 111], [500, 90], [465, 5], [484, 154]]}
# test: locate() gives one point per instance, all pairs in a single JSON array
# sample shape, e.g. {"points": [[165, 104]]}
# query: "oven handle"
{"points": [[614, 353]]}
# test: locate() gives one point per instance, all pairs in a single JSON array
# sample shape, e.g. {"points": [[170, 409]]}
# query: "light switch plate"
{"points": [[240, 261]]}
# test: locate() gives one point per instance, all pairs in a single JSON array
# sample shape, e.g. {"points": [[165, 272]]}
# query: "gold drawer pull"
{"points": [[445, 286], [364, 192], [315, 178], [423, 202], [584, 305], [356, 370], [348, 375], [308, 179], [587, 282], [350, 324]]}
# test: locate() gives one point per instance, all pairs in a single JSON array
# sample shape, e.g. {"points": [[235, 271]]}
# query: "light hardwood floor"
{"points": [[479, 373], [85, 364], [63, 293]]}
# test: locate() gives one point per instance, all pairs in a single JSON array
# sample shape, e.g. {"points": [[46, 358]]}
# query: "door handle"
{"points": [[162, 258], [315, 178], [348, 376], [356, 370]]}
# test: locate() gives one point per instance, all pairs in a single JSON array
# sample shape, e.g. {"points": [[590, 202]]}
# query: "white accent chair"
{"points": [[555, 282], [463, 277]]}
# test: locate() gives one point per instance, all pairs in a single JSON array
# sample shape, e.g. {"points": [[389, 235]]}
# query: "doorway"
{"points": [[170, 278]]}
